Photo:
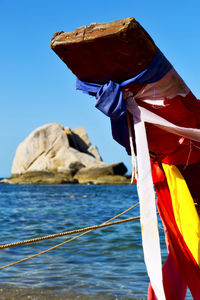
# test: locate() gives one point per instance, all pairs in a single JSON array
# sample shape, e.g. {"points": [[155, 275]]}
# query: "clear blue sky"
{"points": [[36, 87]]}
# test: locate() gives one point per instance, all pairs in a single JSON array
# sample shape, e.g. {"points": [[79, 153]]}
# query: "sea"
{"points": [[104, 264]]}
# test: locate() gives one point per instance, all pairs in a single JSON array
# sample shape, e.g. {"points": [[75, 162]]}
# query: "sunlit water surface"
{"points": [[103, 264]]}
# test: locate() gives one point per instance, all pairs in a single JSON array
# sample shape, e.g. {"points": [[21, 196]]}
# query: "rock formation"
{"points": [[54, 154]]}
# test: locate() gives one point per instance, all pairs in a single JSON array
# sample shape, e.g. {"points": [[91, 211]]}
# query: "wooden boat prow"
{"points": [[116, 51]]}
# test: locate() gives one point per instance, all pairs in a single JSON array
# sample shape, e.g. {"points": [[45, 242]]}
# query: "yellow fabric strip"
{"points": [[185, 212]]}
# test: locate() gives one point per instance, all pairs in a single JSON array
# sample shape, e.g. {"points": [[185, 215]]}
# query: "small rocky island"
{"points": [[52, 154]]}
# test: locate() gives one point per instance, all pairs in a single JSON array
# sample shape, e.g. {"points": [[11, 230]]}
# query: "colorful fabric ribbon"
{"points": [[112, 102], [181, 223]]}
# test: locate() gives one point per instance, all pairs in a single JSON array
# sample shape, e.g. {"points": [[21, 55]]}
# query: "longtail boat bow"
{"points": [[145, 98]]}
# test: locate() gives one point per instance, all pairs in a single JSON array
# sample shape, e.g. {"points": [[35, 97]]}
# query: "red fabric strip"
{"points": [[180, 264]]}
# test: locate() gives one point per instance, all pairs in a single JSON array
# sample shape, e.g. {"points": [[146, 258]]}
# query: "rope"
{"points": [[105, 224], [39, 239], [133, 159]]}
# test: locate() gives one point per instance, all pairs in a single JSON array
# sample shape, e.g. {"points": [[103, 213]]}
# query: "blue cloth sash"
{"points": [[110, 99]]}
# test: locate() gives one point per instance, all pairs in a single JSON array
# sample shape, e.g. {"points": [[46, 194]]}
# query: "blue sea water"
{"points": [[103, 264]]}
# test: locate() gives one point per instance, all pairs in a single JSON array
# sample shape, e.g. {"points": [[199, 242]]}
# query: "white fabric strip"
{"points": [[189, 133], [148, 217]]}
